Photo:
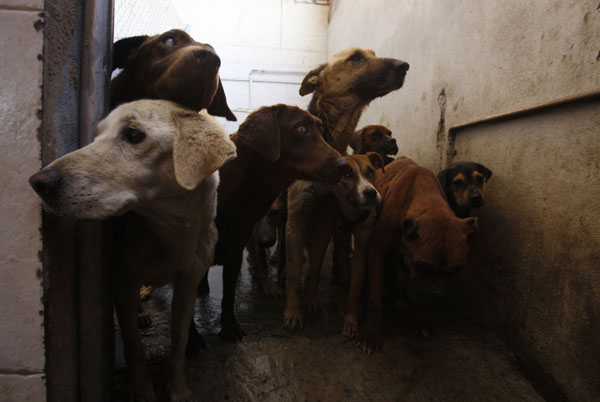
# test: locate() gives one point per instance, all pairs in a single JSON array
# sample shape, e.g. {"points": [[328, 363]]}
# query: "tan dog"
{"points": [[342, 88], [155, 162], [414, 215], [351, 207], [464, 183]]}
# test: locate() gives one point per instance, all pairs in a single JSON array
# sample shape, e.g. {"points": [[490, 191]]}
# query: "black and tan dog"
{"points": [[463, 184], [375, 138], [341, 89]]}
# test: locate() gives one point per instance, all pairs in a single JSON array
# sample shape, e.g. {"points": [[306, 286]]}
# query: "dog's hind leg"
{"points": [[126, 302], [230, 328]]}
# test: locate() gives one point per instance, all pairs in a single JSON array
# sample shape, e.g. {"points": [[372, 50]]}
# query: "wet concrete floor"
{"points": [[460, 362]]}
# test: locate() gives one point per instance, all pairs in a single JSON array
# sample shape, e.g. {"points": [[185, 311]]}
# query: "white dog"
{"points": [[155, 163]]}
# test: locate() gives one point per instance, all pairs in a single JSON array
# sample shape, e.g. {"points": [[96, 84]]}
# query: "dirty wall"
{"points": [[534, 277]]}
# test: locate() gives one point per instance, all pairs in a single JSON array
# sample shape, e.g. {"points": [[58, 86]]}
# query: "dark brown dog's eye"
{"points": [[356, 57], [169, 41], [134, 136], [479, 179], [303, 129], [348, 175], [370, 172], [376, 136], [458, 183]]}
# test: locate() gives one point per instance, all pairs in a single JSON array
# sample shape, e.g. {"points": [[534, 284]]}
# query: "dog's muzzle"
{"points": [[46, 182]]}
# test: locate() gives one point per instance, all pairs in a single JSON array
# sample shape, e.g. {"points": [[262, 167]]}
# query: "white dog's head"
{"points": [[144, 150]]}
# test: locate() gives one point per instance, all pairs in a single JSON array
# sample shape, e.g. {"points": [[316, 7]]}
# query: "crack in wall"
{"points": [[441, 130]]}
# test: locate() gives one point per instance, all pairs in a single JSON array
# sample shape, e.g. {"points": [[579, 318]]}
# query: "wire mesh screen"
{"points": [[144, 17]]}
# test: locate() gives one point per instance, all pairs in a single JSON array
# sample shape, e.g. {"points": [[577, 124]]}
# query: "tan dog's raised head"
{"points": [[357, 187], [355, 74], [292, 139], [144, 151], [375, 138], [170, 66], [463, 184]]}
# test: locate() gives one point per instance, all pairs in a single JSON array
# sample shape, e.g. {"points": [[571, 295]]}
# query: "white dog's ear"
{"points": [[200, 147]]}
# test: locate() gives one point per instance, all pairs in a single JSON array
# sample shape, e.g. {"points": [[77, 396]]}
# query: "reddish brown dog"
{"points": [[415, 215], [375, 138], [171, 66]]}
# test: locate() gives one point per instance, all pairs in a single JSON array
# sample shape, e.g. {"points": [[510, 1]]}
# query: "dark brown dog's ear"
{"points": [[444, 178], [484, 171], [410, 229], [260, 132], [219, 106], [471, 226], [376, 160], [311, 81], [356, 141], [123, 48]]}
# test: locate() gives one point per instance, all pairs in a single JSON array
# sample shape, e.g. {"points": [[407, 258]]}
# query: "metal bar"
{"points": [[518, 113], [260, 81], [95, 285]]}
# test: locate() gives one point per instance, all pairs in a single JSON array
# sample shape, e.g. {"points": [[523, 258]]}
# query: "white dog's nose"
{"points": [[45, 182]]}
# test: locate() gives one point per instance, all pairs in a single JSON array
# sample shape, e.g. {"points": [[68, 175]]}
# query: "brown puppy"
{"points": [[463, 184], [351, 206], [375, 138], [170, 66], [342, 88], [414, 215], [275, 146]]}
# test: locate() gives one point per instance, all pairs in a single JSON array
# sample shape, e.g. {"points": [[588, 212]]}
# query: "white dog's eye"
{"points": [[134, 136], [169, 41], [303, 129]]}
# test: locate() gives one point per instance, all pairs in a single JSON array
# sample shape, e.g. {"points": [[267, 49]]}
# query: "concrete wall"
{"points": [[21, 315], [534, 275]]}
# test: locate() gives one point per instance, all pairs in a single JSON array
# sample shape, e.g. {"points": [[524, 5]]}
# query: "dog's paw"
{"points": [[232, 332], [292, 320], [350, 326], [369, 340], [144, 320], [271, 290]]}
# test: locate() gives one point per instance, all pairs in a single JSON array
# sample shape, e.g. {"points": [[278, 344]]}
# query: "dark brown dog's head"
{"points": [[292, 139], [463, 184], [356, 188], [375, 138], [171, 66], [437, 243], [354, 77]]}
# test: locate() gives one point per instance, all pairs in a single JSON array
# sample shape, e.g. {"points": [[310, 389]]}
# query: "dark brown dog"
{"points": [[171, 66], [463, 184], [342, 88], [414, 215], [375, 138], [275, 146]]}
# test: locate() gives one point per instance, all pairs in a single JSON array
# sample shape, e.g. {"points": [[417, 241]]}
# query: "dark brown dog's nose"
{"points": [[207, 57], [476, 199], [370, 193], [401, 66], [45, 182]]}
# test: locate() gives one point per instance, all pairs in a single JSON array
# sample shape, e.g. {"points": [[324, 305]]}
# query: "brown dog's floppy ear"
{"points": [[219, 107], [200, 147], [260, 132], [311, 81], [376, 160], [356, 141], [123, 48], [471, 226], [410, 229]]}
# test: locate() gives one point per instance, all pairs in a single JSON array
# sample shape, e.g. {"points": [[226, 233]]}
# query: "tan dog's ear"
{"points": [[356, 141], [219, 107], [200, 147], [311, 81], [376, 160], [260, 132]]}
